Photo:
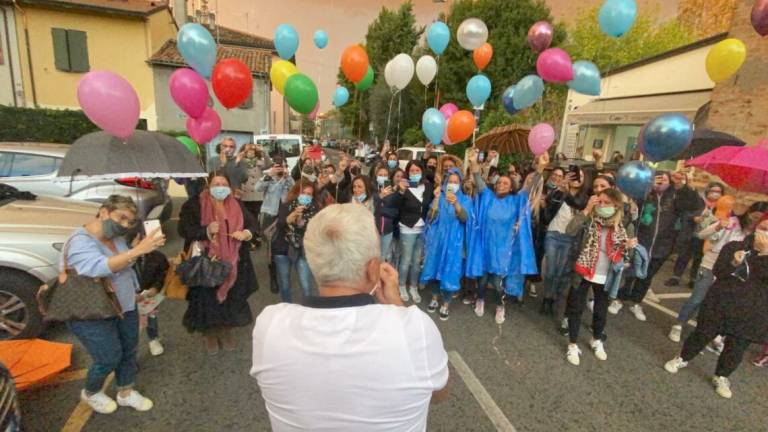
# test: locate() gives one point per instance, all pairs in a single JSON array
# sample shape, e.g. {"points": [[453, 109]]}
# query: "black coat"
{"points": [[386, 212], [411, 209], [657, 233]]}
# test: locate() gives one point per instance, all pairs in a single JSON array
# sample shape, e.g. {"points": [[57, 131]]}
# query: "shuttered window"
{"points": [[70, 50]]}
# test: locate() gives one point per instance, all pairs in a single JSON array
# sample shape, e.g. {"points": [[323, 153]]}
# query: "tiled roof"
{"points": [[123, 7], [228, 36], [257, 59]]}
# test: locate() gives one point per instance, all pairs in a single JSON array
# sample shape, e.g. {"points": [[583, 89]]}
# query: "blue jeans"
{"points": [[284, 263], [411, 249], [700, 289], [557, 272], [496, 282], [386, 248], [112, 345], [153, 330], [436, 291]]}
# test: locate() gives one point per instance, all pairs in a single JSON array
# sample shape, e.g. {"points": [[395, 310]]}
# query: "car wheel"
{"points": [[19, 315]]}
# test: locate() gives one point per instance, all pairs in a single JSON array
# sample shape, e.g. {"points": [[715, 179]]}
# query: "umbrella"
{"points": [[706, 140], [34, 360], [744, 168], [100, 156], [509, 139]]}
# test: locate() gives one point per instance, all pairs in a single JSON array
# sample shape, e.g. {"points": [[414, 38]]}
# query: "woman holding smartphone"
{"points": [[386, 210]]}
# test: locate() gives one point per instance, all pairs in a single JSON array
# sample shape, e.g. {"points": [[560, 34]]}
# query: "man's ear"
{"points": [[373, 271]]}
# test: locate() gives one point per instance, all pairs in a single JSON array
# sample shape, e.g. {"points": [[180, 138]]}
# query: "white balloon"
{"points": [[389, 73], [402, 71], [472, 34], [426, 69]]}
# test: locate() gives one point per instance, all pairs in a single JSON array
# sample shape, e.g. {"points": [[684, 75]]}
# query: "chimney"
{"points": [[180, 12]]}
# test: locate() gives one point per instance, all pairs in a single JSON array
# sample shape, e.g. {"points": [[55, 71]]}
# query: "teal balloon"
{"points": [[478, 90], [433, 125], [286, 41], [586, 78], [508, 100], [321, 39], [340, 97], [527, 91], [189, 144], [367, 81], [616, 17], [301, 93], [438, 37], [198, 48]]}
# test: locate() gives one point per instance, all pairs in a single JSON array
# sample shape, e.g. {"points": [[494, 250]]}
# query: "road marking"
{"points": [[667, 311], [485, 400], [65, 377], [673, 296], [82, 412]]}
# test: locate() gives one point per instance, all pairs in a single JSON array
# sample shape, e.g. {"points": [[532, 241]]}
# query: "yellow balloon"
{"points": [[279, 73], [725, 58]]}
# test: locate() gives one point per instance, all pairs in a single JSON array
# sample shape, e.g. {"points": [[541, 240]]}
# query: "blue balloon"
{"points": [[508, 99], [617, 16], [527, 91], [321, 39], [586, 78], [635, 179], [340, 97], [438, 37], [286, 41], [433, 125], [665, 137], [198, 48], [478, 90]]}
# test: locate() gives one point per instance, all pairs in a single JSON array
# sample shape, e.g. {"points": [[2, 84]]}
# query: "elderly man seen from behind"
{"points": [[353, 358]]}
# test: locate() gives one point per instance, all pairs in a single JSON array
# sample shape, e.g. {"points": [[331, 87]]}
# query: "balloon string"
{"points": [[389, 115], [399, 102], [437, 93]]}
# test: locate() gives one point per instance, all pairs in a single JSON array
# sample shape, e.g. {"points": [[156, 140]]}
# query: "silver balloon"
{"points": [[472, 34]]}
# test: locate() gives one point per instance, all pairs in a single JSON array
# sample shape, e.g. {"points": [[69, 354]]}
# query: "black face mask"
{"points": [[430, 174], [111, 229]]}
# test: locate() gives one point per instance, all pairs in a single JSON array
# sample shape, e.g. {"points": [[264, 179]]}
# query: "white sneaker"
{"points": [[572, 355], [675, 365], [480, 307], [532, 291], [615, 307], [715, 347], [675, 332], [155, 347], [99, 402], [651, 296], [136, 401], [591, 305], [433, 305], [722, 386], [500, 315], [415, 295], [444, 313], [403, 294], [637, 310], [599, 350]]}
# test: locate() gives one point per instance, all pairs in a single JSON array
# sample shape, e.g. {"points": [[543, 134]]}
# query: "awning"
{"points": [[639, 109]]}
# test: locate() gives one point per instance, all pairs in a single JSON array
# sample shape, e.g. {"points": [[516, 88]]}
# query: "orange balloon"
{"points": [[482, 56], [460, 126], [354, 63], [724, 206]]}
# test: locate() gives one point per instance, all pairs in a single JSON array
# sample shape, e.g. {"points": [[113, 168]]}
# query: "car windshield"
{"points": [[288, 147]]}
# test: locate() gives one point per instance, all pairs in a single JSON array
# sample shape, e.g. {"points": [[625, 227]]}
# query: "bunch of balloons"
{"points": [[110, 102], [299, 90], [458, 125]]}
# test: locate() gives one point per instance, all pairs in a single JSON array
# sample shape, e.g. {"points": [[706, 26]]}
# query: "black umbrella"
{"points": [[706, 140]]}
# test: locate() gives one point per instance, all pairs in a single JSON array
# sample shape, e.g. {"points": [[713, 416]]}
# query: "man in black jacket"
{"points": [[690, 206]]}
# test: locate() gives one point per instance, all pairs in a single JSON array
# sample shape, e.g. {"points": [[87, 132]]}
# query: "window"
{"points": [[248, 104], [404, 155], [5, 164], [70, 50], [286, 147], [597, 144], [25, 165]]}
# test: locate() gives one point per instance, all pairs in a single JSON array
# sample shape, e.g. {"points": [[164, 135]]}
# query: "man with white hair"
{"points": [[352, 358]]}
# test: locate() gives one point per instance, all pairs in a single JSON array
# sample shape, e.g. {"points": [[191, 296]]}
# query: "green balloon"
{"points": [[367, 81], [301, 93], [189, 144]]}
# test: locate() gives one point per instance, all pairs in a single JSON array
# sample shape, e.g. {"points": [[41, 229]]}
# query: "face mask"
{"points": [[714, 196], [661, 188], [605, 212], [453, 187], [220, 192], [551, 185], [111, 229], [381, 180], [414, 179], [361, 198], [392, 164], [304, 200]]}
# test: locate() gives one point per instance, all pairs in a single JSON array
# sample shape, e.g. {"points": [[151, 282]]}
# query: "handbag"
{"points": [[172, 285], [203, 271]]}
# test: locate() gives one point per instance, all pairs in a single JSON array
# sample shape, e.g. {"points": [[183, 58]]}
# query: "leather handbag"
{"points": [[173, 287], [203, 271]]}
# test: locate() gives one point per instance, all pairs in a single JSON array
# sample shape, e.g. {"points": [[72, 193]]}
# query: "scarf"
{"points": [[294, 234], [590, 252], [229, 215]]}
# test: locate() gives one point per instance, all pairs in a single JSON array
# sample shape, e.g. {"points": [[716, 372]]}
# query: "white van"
{"points": [[407, 154], [287, 146]]}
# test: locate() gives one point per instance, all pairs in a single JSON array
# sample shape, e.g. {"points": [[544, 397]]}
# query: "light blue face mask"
{"points": [[361, 198], [220, 193], [453, 187], [414, 179], [304, 199], [381, 180], [392, 164]]}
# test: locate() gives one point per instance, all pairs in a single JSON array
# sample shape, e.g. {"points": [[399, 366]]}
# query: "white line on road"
{"points": [[485, 400], [673, 296], [667, 311]]}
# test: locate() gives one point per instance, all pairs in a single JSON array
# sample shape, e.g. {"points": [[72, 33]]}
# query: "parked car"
{"points": [[32, 235], [287, 146], [33, 166], [407, 154]]}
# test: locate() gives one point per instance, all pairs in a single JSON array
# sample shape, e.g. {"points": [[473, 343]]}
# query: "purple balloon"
{"points": [[760, 17], [110, 102], [540, 36], [554, 65], [449, 109], [205, 128], [189, 91]]}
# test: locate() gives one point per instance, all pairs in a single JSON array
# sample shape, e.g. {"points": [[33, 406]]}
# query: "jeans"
{"points": [[700, 289], [577, 302], [557, 272], [386, 248], [411, 248], [634, 289], [694, 250], [733, 351], [284, 263], [153, 331], [495, 281], [436, 291], [112, 345]]}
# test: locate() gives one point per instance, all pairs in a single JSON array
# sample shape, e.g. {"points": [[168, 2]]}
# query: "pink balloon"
{"points": [[446, 140], [541, 138], [449, 109], [313, 114], [110, 102], [205, 128], [189, 91], [540, 36], [554, 65]]}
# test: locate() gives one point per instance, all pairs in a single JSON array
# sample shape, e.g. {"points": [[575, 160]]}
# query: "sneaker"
{"points": [[415, 295], [99, 402], [532, 291], [722, 386], [573, 354], [444, 313], [651, 296], [500, 314], [674, 333], [480, 307], [637, 311], [715, 347], [672, 282], [403, 294], [136, 401], [433, 305], [599, 350], [155, 347], [615, 307], [564, 327], [591, 305], [675, 365], [761, 361], [468, 299]]}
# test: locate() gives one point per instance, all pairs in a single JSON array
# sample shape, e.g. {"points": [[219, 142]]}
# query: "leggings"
{"points": [[494, 280], [729, 360], [577, 302]]}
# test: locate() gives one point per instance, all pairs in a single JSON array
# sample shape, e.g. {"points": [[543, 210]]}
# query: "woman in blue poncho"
{"points": [[445, 241]]}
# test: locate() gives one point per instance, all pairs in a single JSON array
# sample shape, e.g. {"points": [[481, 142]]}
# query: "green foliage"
{"points": [[413, 137], [43, 125]]}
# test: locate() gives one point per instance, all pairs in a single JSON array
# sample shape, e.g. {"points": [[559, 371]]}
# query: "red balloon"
{"points": [[354, 63], [460, 126], [232, 82]]}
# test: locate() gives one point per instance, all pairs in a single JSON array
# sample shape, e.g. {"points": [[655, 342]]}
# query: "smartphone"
{"points": [[151, 225], [574, 169], [481, 157], [386, 184]]}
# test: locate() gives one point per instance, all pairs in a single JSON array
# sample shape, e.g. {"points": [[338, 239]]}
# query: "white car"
{"points": [[287, 146], [407, 154]]}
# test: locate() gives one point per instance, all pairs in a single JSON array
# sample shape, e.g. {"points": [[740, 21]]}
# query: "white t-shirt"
{"points": [[354, 368], [562, 219]]}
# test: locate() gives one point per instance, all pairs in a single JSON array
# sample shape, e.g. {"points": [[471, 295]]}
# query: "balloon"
{"points": [[433, 125], [665, 136], [354, 63], [286, 41], [399, 71], [205, 128], [554, 65], [460, 126], [472, 34], [426, 69], [527, 91], [617, 16], [446, 140], [313, 114], [189, 144], [340, 97], [540, 36], [760, 17], [110, 102], [197, 47], [478, 90], [279, 73], [508, 99], [232, 82], [189, 91], [321, 39], [449, 109], [301, 93], [725, 59], [635, 179], [482, 56], [586, 78], [724, 206], [438, 37], [540, 138], [367, 81]]}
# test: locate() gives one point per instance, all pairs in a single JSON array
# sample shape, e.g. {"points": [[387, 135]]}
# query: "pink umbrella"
{"points": [[744, 168]]}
